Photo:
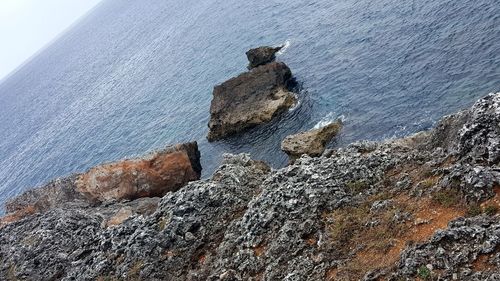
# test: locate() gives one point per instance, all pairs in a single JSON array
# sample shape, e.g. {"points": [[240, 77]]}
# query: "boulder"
{"points": [[151, 176], [155, 175], [41, 199], [261, 55], [312, 143], [250, 99]]}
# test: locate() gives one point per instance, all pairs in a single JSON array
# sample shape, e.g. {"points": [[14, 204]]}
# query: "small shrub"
{"points": [[136, 268], [357, 186], [423, 272], [474, 210], [162, 223], [446, 198], [490, 210], [428, 183]]}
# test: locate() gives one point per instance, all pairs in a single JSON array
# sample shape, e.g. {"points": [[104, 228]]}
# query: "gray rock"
{"points": [[312, 142], [261, 55], [250, 99], [250, 223]]}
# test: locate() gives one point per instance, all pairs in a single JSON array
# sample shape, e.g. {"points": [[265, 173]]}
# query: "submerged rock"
{"points": [[250, 99], [261, 55], [312, 143]]}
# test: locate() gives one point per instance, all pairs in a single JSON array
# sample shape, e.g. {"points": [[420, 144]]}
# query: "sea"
{"points": [[132, 77]]}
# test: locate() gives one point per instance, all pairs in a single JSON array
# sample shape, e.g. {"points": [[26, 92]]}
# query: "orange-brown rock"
{"points": [[155, 175], [151, 176]]}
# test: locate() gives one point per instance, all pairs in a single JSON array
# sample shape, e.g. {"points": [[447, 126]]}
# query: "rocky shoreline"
{"points": [[422, 207]]}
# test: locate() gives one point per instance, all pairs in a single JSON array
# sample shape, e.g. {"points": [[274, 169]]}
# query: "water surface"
{"points": [[135, 76]]}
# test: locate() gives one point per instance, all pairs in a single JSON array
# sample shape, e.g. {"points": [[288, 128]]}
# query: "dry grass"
{"points": [[429, 182], [259, 250], [447, 197], [135, 270], [379, 246]]}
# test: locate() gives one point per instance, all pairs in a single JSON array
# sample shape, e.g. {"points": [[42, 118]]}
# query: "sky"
{"points": [[26, 26]]}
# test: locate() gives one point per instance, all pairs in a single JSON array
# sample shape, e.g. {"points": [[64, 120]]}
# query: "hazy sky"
{"points": [[28, 25]]}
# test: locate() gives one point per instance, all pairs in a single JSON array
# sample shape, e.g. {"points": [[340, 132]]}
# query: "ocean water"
{"points": [[135, 76]]}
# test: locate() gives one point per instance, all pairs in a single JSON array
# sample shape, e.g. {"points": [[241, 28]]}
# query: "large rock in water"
{"points": [[250, 99], [261, 55], [312, 143]]}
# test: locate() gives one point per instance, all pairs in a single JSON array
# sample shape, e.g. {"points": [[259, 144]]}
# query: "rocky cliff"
{"points": [[150, 176], [419, 208]]}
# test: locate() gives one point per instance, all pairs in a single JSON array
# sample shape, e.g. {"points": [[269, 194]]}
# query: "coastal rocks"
{"points": [[55, 193], [475, 130], [151, 176], [169, 244], [312, 143], [388, 210], [469, 249], [250, 99], [155, 175], [261, 55]]}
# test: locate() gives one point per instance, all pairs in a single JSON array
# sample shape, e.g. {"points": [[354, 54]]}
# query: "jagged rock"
{"points": [[473, 132], [261, 55], [155, 175], [312, 143], [250, 99], [151, 176], [468, 250], [319, 218], [55, 193]]}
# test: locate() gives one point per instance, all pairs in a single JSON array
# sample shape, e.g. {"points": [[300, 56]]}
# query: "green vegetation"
{"points": [[446, 198], [474, 210], [357, 186], [490, 210], [424, 273]]}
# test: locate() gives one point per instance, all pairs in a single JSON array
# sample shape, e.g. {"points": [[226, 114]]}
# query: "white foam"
{"points": [[329, 119], [285, 47], [297, 104]]}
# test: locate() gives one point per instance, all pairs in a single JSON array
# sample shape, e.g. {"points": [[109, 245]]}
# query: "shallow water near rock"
{"points": [[134, 77]]}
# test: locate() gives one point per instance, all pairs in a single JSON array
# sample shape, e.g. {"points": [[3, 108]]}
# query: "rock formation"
{"points": [[261, 55], [312, 142], [423, 207], [151, 176], [250, 99], [155, 175]]}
